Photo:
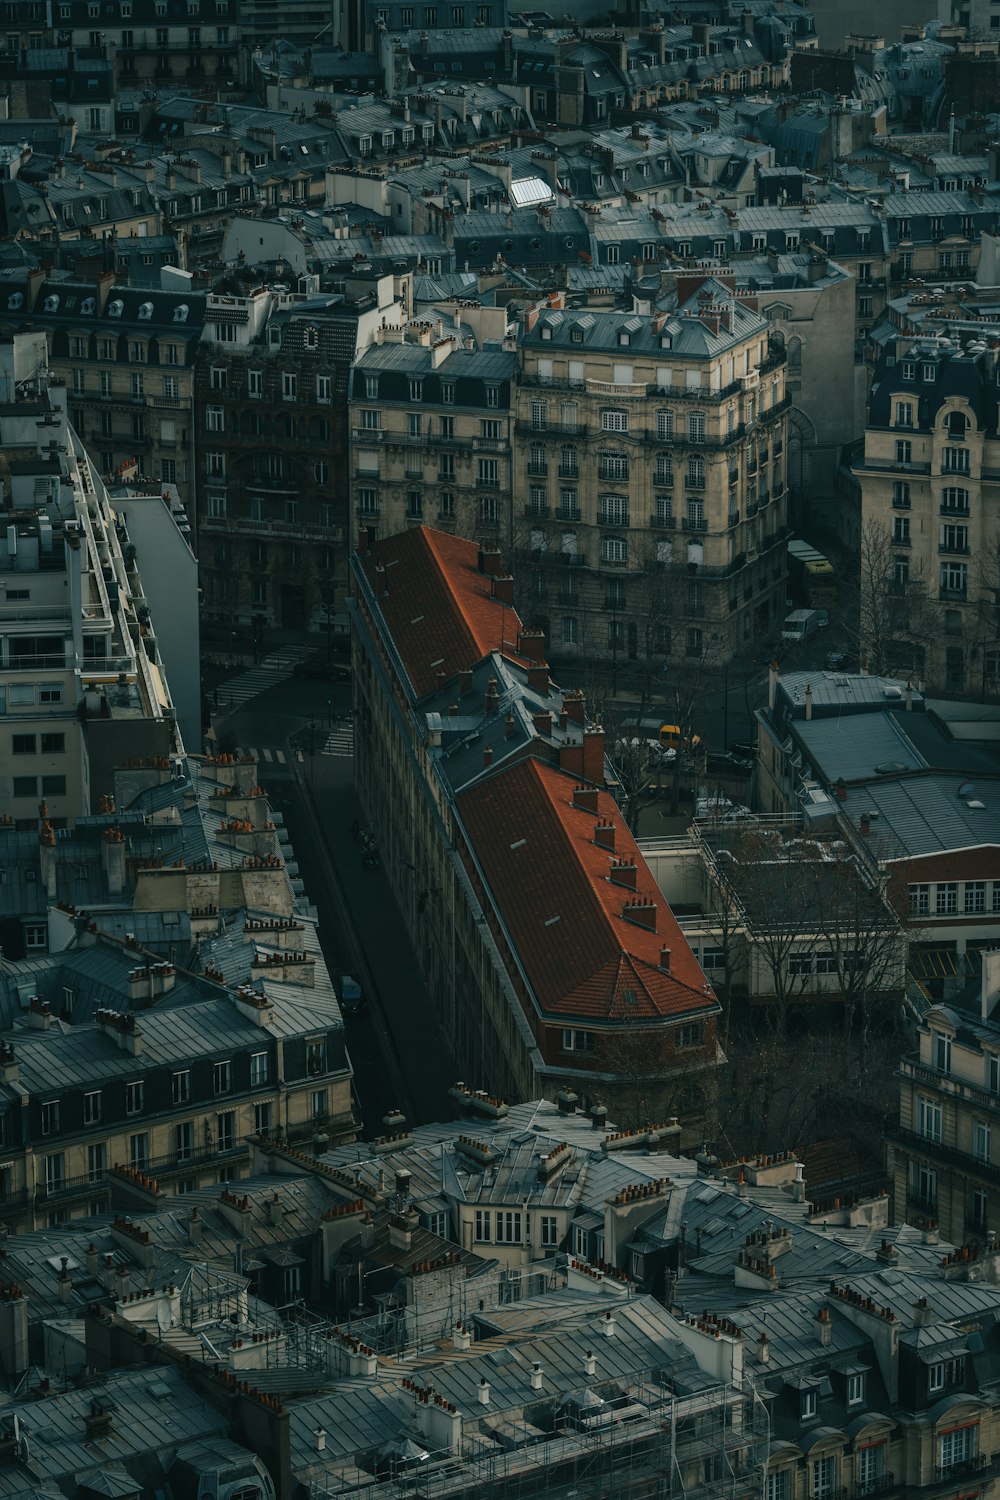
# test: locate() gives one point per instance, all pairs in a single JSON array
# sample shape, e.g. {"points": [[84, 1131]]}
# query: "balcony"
{"points": [[694, 523], [662, 523], [536, 512], [568, 513], [611, 518], [951, 510], [568, 471], [568, 599], [952, 596], [535, 470], [937, 1151], [947, 1083], [692, 482], [891, 465], [955, 549], [964, 1468], [879, 1486]]}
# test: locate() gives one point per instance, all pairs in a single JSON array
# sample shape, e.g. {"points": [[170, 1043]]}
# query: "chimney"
{"points": [[487, 757], [502, 587], [604, 834], [531, 645], [763, 1348], [92, 1259], [590, 1363], [799, 1184], [509, 726], [772, 684], [642, 912], [865, 666], [536, 1376], [194, 1228], [542, 722], [575, 707], [864, 825], [824, 1327], [625, 872], [665, 960], [320, 1439], [538, 677], [65, 1282], [909, 697], [809, 701], [488, 561], [464, 681], [593, 754], [609, 1327], [484, 1392], [275, 1211], [492, 697], [585, 799], [841, 789], [461, 1338]]}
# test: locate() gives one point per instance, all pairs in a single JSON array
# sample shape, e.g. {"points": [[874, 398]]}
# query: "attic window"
{"points": [[52, 304], [546, 331], [87, 306], [181, 313], [146, 311], [14, 301], [576, 335], [116, 308]]}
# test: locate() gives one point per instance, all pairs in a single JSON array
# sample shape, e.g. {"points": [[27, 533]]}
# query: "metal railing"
{"points": [[965, 1161]]}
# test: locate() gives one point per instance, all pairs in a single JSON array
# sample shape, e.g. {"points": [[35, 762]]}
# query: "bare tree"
{"points": [[864, 937], [987, 579], [897, 620]]}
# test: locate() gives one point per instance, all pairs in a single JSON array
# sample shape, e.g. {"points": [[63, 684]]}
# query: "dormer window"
{"points": [[14, 301], [145, 311], [929, 372], [546, 331], [909, 370], [181, 313], [624, 338], [855, 1387], [312, 338], [52, 304], [808, 1403], [116, 308], [87, 306], [576, 335]]}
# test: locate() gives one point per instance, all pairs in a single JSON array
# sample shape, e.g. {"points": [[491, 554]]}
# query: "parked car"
{"points": [[322, 671], [351, 996]]}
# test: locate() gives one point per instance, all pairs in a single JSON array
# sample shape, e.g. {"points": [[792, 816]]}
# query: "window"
{"points": [[954, 498], [316, 1057], [941, 1051], [289, 386], [371, 420], [134, 1097], [807, 1404], [50, 1117], [824, 1474], [25, 786], [491, 393], [226, 1126], [548, 1231], [920, 900], [958, 1446], [904, 414], [955, 460], [801, 964], [92, 1108], [696, 426], [614, 421], [954, 578], [488, 471], [614, 512], [901, 531], [855, 1389], [664, 424], [508, 1227], [929, 1123], [489, 428], [448, 394], [978, 1208], [222, 1073], [577, 1041], [695, 473], [981, 1140], [614, 550], [946, 898], [663, 471], [184, 1140], [171, 388], [97, 1162], [217, 378], [954, 539], [975, 895], [904, 451], [483, 1224], [688, 1036], [23, 744], [215, 419], [258, 1069], [262, 1116], [778, 1486], [55, 1172], [138, 1150]]}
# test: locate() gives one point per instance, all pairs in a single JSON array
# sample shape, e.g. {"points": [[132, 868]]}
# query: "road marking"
{"points": [[339, 742]]}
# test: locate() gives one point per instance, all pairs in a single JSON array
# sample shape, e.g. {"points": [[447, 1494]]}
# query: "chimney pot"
{"points": [[665, 959]]}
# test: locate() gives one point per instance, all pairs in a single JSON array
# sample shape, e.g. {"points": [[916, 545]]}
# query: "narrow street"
{"points": [[399, 1056]]}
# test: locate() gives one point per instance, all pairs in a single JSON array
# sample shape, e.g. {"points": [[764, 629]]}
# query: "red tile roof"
{"points": [[437, 606], [537, 853]]}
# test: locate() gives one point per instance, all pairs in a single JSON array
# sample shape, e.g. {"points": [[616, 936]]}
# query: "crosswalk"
{"points": [[340, 741], [232, 695]]}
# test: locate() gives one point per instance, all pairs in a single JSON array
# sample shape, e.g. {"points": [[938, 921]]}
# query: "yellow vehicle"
{"points": [[671, 738]]}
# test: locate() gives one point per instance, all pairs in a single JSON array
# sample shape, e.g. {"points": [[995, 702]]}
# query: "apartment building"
{"points": [[930, 484], [126, 356], [556, 964], [271, 392], [81, 677], [649, 466], [431, 422], [164, 43], [944, 1148]]}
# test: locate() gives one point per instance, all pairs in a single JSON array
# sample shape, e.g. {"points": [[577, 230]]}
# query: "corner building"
{"points": [[649, 466]]}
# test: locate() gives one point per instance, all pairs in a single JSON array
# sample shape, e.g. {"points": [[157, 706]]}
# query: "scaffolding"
{"points": [[642, 1442]]}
